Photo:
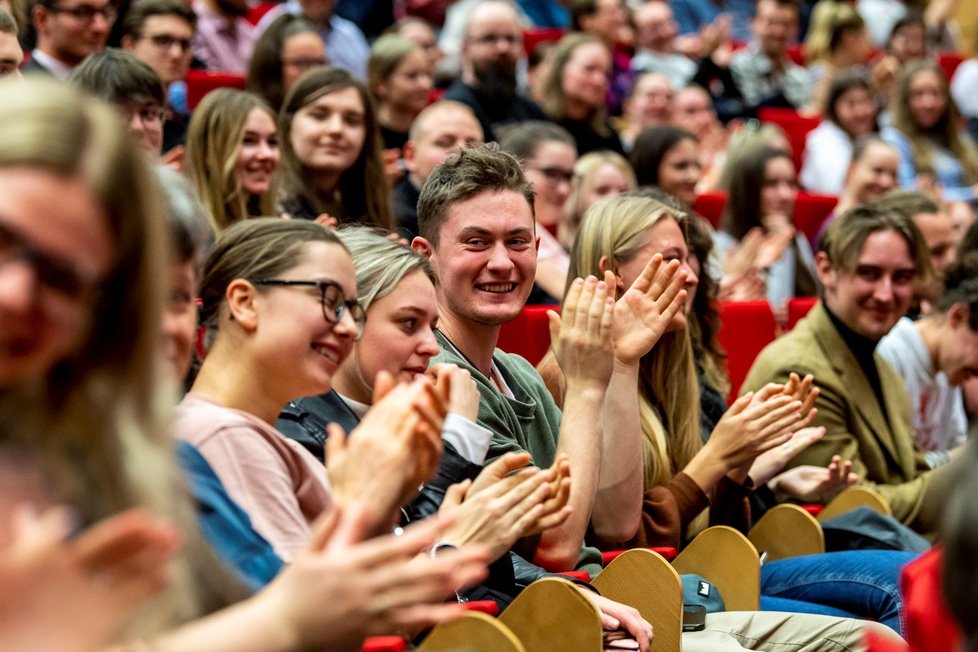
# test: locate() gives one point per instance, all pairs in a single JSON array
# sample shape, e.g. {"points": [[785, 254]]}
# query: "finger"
{"points": [[323, 529], [455, 494], [608, 318], [810, 398], [568, 311], [550, 521], [583, 309], [760, 409], [383, 384], [740, 404], [778, 419], [597, 308], [554, 323], [505, 465], [769, 390], [671, 286], [644, 281]]}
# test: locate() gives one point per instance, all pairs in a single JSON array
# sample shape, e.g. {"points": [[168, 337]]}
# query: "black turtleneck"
{"points": [[862, 348]]}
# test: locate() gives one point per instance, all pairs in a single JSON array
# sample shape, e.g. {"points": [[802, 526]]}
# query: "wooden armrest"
{"points": [[552, 614], [729, 560], [852, 498], [787, 531], [473, 631]]}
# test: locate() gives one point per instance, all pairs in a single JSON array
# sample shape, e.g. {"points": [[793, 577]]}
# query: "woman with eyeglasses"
{"points": [[279, 304], [233, 157], [288, 48], [548, 154]]}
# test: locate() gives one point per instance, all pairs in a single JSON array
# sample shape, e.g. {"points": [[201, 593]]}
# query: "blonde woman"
{"points": [[596, 175], [233, 157]]}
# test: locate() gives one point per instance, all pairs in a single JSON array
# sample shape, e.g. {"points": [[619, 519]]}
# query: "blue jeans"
{"points": [[852, 583]]}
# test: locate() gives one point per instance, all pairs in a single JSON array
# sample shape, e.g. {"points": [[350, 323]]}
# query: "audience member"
{"points": [[867, 265], [935, 356], [763, 72], [848, 114], [692, 110], [574, 92], [11, 54], [668, 157], [934, 157], [963, 83], [67, 32], [762, 193], [655, 34], [596, 175], [883, 16], [908, 39], [695, 15], [752, 136], [649, 104], [606, 20], [838, 44], [437, 132], [119, 78], [159, 32], [346, 46], [288, 48], [547, 154], [422, 34], [225, 39], [233, 157], [491, 48], [400, 78], [331, 151]]}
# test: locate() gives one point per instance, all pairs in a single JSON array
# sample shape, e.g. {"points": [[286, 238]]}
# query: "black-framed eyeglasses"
{"points": [[334, 303], [57, 275], [167, 41], [86, 13]]}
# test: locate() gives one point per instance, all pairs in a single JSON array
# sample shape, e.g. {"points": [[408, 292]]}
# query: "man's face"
{"points": [[164, 44], [485, 259], [70, 30], [938, 232], [11, 55], [693, 111], [775, 26], [442, 133], [877, 292], [655, 27], [607, 20], [494, 41]]}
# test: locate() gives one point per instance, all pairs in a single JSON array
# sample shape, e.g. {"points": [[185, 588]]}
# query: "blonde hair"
{"points": [[99, 415], [213, 142], [380, 262], [615, 228], [830, 21], [386, 54], [584, 171]]}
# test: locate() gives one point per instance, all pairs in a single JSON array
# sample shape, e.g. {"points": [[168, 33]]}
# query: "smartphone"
{"points": [[694, 617]]}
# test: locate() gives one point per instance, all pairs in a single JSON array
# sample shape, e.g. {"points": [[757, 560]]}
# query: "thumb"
{"points": [[554, 320], [741, 403], [383, 384], [455, 494], [335, 441]]}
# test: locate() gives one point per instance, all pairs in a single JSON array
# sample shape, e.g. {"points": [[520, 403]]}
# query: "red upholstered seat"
{"points": [[534, 36], [746, 328], [668, 553], [811, 209], [384, 644], [710, 206], [798, 308], [257, 12], [202, 82], [930, 627], [796, 128], [949, 62], [529, 334], [876, 643]]}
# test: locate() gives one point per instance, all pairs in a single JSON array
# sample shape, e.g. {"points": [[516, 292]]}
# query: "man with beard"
{"points": [[224, 39], [492, 46]]}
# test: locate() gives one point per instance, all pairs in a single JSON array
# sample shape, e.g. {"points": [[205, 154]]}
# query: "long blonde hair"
{"points": [[615, 228], [99, 416], [213, 141]]}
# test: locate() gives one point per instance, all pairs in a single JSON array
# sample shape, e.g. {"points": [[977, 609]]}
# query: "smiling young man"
{"points": [[67, 32], [869, 262]]}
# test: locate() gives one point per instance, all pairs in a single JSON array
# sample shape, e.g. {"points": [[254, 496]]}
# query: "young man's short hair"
{"points": [[118, 77], [141, 10], [908, 203], [473, 170]]}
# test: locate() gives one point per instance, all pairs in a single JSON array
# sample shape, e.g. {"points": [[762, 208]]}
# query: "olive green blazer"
{"points": [[882, 448]]}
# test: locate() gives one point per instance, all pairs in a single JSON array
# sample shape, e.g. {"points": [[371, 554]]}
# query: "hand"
{"points": [[174, 158], [646, 309], [743, 287], [327, 220], [341, 590], [746, 430], [769, 463], [615, 615], [814, 484], [62, 594], [581, 334], [392, 165], [464, 397], [395, 448], [772, 247]]}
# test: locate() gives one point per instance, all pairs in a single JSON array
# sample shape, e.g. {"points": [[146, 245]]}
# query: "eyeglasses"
{"points": [[165, 42], [555, 175], [335, 305], [62, 287], [86, 13], [151, 115], [491, 39], [305, 64]]}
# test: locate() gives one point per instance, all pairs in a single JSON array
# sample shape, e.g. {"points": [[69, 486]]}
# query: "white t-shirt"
{"points": [[937, 407]]}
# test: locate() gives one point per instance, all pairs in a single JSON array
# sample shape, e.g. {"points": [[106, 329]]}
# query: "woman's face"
{"points": [[664, 237], [301, 52], [327, 134], [607, 180], [55, 248], [297, 350], [928, 101], [875, 173], [409, 86], [180, 319], [584, 78], [258, 155], [856, 112], [780, 188], [551, 171], [399, 336], [679, 170]]}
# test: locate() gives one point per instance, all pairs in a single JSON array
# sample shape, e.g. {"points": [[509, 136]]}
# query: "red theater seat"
{"points": [[202, 82], [536, 35], [949, 62], [746, 328], [529, 334], [798, 308], [258, 12], [796, 128], [710, 206], [811, 209]]}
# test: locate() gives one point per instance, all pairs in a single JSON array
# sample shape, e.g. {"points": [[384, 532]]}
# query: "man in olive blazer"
{"points": [[867, 268]]}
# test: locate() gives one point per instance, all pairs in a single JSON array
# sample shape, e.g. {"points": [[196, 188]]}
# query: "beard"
{"points": [[497, 80]]}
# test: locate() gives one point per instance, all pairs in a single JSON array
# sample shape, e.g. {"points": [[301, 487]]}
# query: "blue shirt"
{"points": [[346, 46]]}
